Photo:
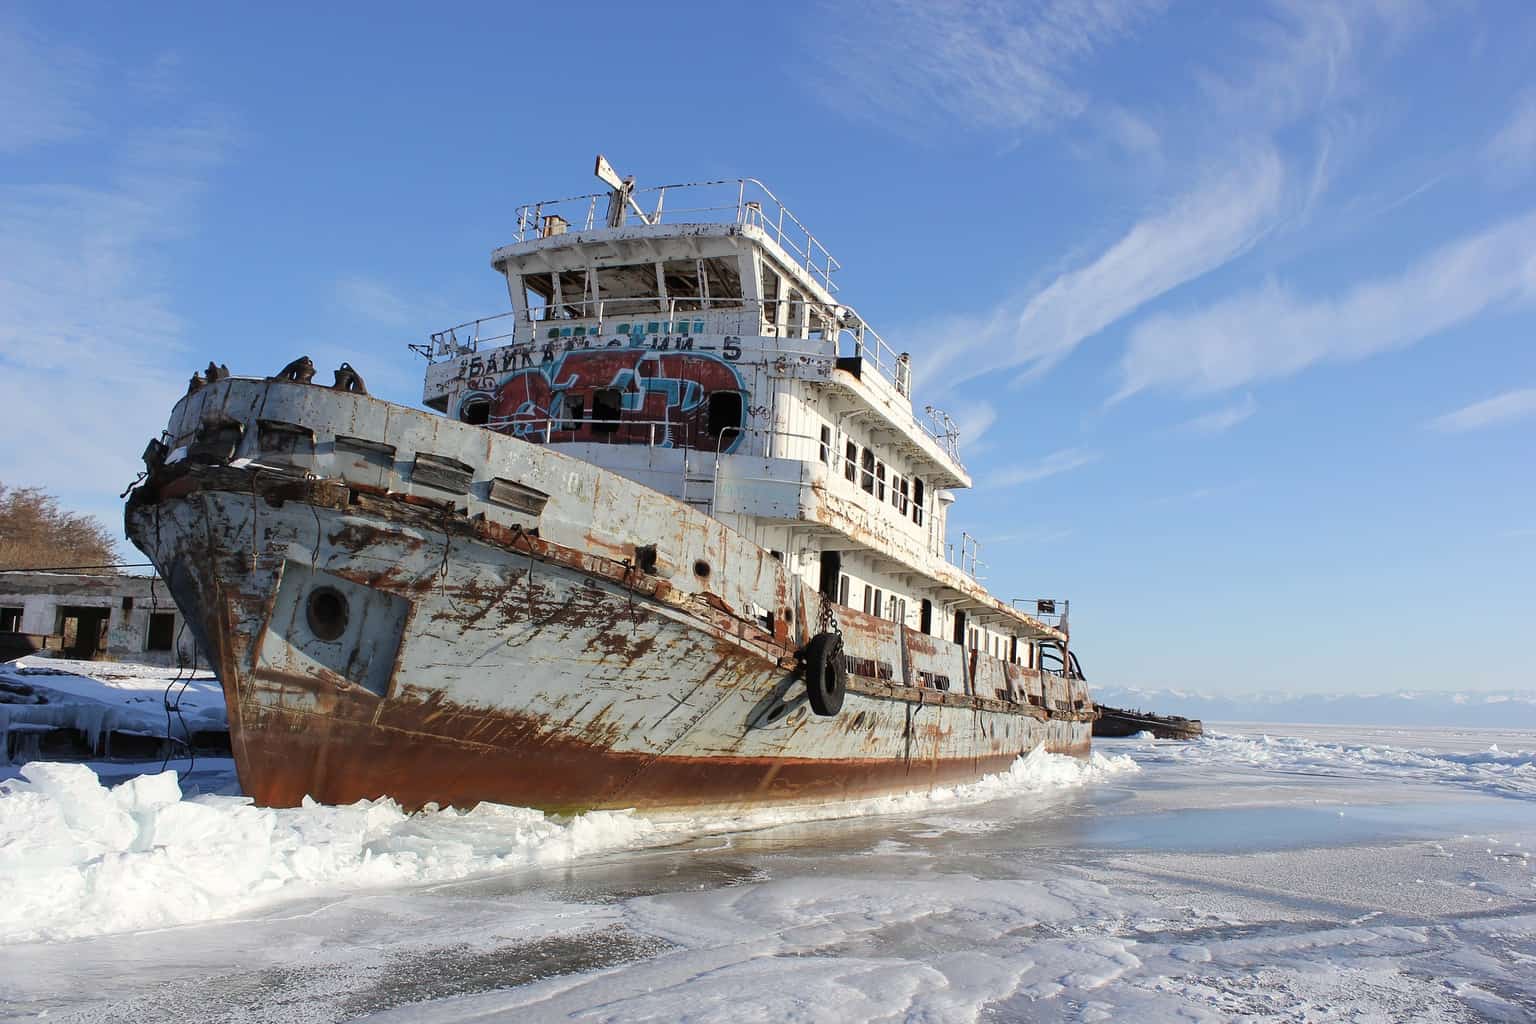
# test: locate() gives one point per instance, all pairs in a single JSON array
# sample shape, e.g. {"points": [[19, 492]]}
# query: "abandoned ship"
{"points": [[672, 536]]}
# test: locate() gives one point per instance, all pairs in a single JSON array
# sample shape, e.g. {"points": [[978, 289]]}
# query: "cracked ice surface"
{"points": [[1296, 877]]}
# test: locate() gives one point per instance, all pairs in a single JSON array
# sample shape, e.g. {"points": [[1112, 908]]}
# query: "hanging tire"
{"points": [[826, 677]]}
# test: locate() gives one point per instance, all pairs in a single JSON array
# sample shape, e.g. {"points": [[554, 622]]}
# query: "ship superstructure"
{"points": [[679, 537]]}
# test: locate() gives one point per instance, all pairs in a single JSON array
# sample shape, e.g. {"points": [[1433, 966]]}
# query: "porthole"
{"points": [[326, 612], [701, 569]]}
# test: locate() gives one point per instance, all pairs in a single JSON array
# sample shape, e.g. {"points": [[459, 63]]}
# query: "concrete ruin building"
{"points": [[106, 617]]}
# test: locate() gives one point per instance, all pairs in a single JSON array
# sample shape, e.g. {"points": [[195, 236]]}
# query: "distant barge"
{"points": [[1114, 722]]}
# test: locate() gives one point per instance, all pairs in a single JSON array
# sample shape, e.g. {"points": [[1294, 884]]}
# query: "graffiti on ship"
{"points": [[616, 396]]}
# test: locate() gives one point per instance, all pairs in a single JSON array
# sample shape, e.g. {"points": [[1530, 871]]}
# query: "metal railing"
{"points": [[838, 326], [742, 201], [1053, 611]]}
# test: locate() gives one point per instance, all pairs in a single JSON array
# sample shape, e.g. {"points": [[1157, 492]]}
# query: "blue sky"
{"points": [[1235, 302]]}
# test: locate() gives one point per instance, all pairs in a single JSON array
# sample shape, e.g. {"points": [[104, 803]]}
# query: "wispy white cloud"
{"points": [[1512, 152], [974, 420], [1500, 409], [1057, 462], [1036, 535], [92, 345], [1291, 57], [1223, 419], [1205, 228], [374, 300], [43, 88], [1197, 494], [970, 63], [1271, 332]]}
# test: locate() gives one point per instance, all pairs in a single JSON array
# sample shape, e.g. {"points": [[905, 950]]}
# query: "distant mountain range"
{"points": [[1506, 709]]}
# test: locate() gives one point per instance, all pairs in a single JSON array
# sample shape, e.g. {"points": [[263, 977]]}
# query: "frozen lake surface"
{"points": [[1310, 874]]}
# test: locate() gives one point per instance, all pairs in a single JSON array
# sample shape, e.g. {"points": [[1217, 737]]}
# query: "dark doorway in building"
{"points": [[926, 617], [831, 568], [84, 631], [960, 628], [725, 413]]}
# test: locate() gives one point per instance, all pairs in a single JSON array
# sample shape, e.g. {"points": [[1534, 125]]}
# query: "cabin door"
{"points": [[831, 569]]}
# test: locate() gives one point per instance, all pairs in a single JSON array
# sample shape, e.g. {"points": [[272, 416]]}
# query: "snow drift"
{"points": [[78, 859]]}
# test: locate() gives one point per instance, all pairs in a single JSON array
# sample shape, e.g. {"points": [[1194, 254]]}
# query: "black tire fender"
{"points": [[826, 677]]}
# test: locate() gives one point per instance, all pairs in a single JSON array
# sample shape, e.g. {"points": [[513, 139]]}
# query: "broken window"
{"points": [[628, 289], [722, 281], [796, 314], [851, 462], [573, 293], [10, 620], [877, 601], [607, 410], [771, 285], [869, 592], [917, 501], [826, 445], [162, 628], [569, 410], [867, 479], [685, 288], [538, 291], [880, 481], [842, 591], [725, 409]]}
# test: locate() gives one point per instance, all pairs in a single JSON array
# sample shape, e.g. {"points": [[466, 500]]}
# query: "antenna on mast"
{"points": [[622, 195]]}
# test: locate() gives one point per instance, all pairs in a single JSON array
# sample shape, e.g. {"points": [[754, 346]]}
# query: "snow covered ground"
{"points": [[102, 698], [1305, 875]]}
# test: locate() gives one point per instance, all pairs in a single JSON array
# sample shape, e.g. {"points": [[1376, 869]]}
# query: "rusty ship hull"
{"points": [[402, 605]]}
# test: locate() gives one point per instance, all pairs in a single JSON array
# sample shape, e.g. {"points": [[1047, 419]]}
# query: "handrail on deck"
{"points": [[837, 327], [741, 201]]}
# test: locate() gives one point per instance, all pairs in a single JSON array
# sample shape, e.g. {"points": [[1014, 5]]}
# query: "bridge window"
{"points": [[917, 500], [539, 290], [826, 445], [867, 480], [628, 289], [772, 284], [851, 462], [685, 290], [796, 317], [573, 294], [607, 410], [722, 280], [880, 481]]}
